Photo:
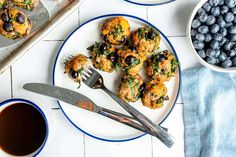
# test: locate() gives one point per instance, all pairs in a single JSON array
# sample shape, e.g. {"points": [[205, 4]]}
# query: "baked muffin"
{"points": [[129, 60], [26, 4], [154, 95], [74, 67], [131, 87], [116, 30], [2, 3], [14, 24], [162, 66], [146, 40], [103, 56]]}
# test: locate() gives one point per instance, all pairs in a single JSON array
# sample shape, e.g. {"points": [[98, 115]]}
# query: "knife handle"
{"points": [[124, 119]]}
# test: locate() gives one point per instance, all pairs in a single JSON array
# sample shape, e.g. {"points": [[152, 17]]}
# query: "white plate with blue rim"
{"points": [[149, 2], [92, 124]]}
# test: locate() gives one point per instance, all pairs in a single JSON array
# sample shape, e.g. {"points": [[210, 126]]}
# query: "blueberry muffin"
{"points": [[116, 30], [103, 56], [146, 40], [74, 67], [2, 3], [162, 66], [154, 94], [26, 4], [129, 60], [131, 87], [14, 24]]}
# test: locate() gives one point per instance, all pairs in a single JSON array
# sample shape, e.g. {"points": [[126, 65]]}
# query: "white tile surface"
{"points": [[5, 85]]}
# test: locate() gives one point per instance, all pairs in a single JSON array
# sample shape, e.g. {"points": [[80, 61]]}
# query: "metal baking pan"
{"points": [[45, 17]]}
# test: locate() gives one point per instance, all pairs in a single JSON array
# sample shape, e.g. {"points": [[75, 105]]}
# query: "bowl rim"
{"points": [[189, 38]]}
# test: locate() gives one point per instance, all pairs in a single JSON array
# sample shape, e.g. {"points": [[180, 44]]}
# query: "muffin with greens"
{"points": [[103, 56], [162, 66], [14, 24], [154, 94], [129, 60], [2, 4], [131, 87], [116, 30], [146, 40], [26, 4]]}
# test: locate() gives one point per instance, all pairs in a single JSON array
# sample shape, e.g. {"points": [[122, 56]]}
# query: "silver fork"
{"points": [[94, 80]]}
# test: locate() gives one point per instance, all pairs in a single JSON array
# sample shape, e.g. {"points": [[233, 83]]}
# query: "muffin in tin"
{"points": [[162, 66], [74, 67], [14, 24], [116, 30], [26, 4], [146, 40], [2, 3], [129, 60], [154, 94], [131, 87], [103, 56]]}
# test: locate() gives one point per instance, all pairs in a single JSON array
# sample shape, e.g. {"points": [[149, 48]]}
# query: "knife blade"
{"points": [[81, 101]]}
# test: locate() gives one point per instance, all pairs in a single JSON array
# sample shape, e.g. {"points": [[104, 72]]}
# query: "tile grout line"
{"points": [[11, 81]]}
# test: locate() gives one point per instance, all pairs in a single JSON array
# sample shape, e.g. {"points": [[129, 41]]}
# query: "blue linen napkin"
{"points": [[209, 113]]}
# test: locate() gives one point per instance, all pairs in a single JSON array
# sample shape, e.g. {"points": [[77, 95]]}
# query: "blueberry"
{"points": [[230, 3], [214, 2], [74, 74], [103, 47], [221, 22], [151, 35], [223, 41], [217, 52], [223, 31], [224, 9], [198, 44], [233, 10], [215, 11], [211, 20], [201, 11], [208, 37], [200, 37], [229, 17], [7, 26], [232, 53], [228, 45], [142, 88], [232, 30], [5, 17], [193, 32], [129, 60], [214, 28], [210, 52], [211, 60], [217, 61], [203, 29], [203, 17], [228, 24], [202, 53], [215, 44], [227, 63], [221, 2], [234, 61], [196, 23], [112, 57], [20, 18], [217, 36], [207, 7], [232, 37], [222, 57]]}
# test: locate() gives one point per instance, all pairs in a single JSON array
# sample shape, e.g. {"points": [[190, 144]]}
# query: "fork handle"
{"points": [[148, 125], [124, 119]]}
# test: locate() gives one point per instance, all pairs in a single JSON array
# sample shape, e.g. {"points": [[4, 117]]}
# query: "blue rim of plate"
{"points": [[36, 107], [105, 16], [150, 4]]}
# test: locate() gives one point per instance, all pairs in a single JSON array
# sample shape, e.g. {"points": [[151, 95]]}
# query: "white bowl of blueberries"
{"points": [[212, 33]]}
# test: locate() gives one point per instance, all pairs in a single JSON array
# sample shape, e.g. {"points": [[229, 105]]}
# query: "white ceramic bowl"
{"points": [[202, 61]]}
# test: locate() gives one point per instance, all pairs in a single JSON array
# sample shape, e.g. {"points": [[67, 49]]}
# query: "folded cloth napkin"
{"points": [[209, 113]]}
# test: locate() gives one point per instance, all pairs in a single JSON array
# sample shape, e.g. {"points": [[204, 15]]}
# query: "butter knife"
{"points": [[81, 101]]}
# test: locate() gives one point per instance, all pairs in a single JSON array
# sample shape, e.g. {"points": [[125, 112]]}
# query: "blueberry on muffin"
{"points": [[154, 94], [162, 66], [116, 30], [131, 87], [14, 24]]}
